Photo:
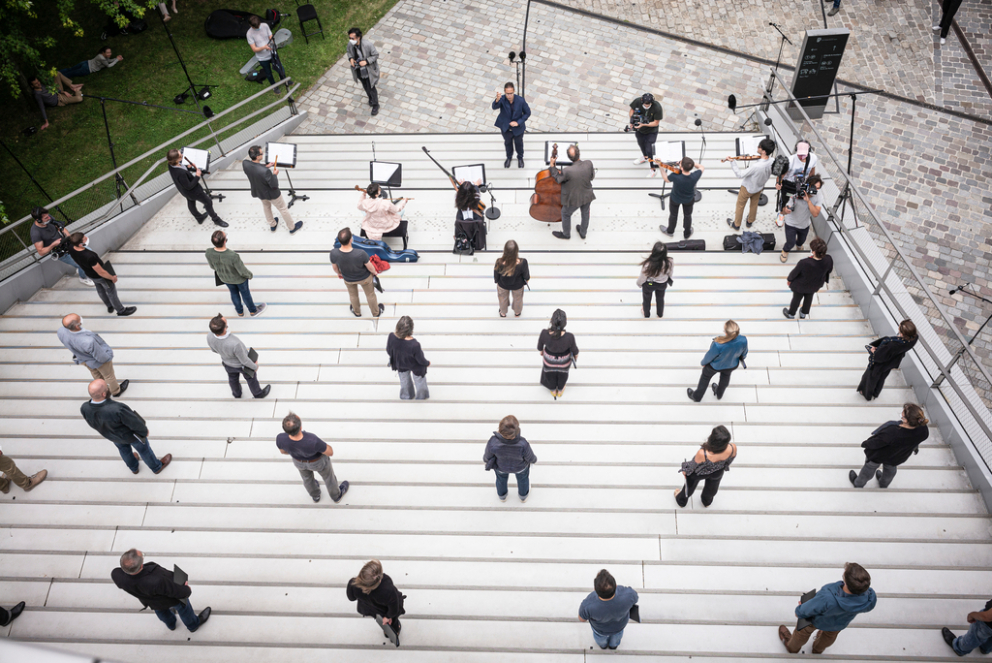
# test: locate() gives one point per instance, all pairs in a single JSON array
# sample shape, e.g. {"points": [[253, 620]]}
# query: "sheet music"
{"points": [[473, 173], [285, 152], [382, 171], [200, 158], [670, 151], [748, 145]]}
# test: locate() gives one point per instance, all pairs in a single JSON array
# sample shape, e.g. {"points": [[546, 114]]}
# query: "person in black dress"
{"points": [[377, 595], [884, 354], [891, 445], [468, 220], [558, 349], [511, 274], [808, 276]]}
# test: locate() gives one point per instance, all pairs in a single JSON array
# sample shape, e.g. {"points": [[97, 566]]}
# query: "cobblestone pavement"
{"points": [[957, 83]]}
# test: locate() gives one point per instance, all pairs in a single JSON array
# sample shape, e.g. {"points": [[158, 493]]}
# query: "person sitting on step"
{"points": [[383, 218]]}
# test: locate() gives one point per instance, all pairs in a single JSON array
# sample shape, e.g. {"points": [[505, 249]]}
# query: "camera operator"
{"points": [[48, 236], [806, 206], [802, 164], [645, 116]]}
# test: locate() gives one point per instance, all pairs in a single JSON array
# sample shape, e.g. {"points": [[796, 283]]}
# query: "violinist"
{"points": [[468, 220], [683, 195], [753, 180], [576, 192], [383, 218]]}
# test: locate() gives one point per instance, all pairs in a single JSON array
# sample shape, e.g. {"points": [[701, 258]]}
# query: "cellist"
{"points": [[753, 180], [576, 192]]}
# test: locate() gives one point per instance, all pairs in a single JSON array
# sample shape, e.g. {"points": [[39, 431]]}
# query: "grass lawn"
{"points": [[73, 150]]}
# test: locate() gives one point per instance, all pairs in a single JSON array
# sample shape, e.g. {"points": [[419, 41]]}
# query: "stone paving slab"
{"points": [[958, 84]]}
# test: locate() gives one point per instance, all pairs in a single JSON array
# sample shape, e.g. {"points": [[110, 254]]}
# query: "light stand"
{"points": [[960, 353], [27, 172], [698, 195], [523, 49]]}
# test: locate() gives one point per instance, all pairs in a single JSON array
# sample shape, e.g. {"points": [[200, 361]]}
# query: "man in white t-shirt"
{"points": [[802, 164], [260, 40]]}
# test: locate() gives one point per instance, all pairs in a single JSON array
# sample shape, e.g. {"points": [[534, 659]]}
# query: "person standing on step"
{"points": [[885, 354], [607, 609], [576, 192], [310, 454], [656, 275], [948, 8], [122, 426], [48, 237], [407, 358], [383, 218], [807, 277], [891, 445], [979, 635], [508, 453], [512, 122], [364, 60], [187, 181], [354, 266], [753, 181], [709, 464], [683, 195], [511, 273], [265, 187], [558, 352], [376, 595], [96, 269], [726, 353], [831, 610], [7, 616], [645, 115], [260, 40], [89, 349], [802, 165], [157, 589], [231, 271], [12, 474], [234, 357], [799, 215]]}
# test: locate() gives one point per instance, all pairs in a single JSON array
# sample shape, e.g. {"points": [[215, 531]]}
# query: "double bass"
{"points": [[545, 202], [480, 206]]}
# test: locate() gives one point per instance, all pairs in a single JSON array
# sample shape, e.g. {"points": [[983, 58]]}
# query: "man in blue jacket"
{"points": [[831, 610], [512, 121]]}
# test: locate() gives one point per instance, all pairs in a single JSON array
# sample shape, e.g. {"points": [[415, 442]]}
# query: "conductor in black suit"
{"points": [[189, 187], [156, 588]]}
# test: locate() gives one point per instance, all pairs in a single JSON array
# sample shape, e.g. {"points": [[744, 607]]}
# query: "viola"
{"points": [[480, 206], [667, 166], [743, 157], [545, 202], [392, 200]]}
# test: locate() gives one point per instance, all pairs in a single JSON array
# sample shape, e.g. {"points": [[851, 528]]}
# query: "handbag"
{"points": [[217, 281]]}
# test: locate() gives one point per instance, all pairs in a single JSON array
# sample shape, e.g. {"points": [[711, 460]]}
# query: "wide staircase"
{"points": [[486, 581]]}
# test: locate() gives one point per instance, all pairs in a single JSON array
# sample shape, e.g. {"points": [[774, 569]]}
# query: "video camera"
{"points": [[803, 187], [636, 120]]}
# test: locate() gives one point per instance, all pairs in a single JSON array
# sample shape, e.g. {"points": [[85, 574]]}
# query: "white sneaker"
{"points": [[653, 173], [86, 281], [780, 220], [943, 41], [936, 28], [638, 162]]}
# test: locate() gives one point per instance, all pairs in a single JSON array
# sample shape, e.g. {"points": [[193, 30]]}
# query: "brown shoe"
{"points": [[166, 459], [36, 479], [6, 488], [784, 635]]}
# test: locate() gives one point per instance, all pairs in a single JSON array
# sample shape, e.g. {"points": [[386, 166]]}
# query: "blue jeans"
{"points": [[240, 291], [185, 613], [67, 259], [81, 69], [979, 635], [604, 641], [144, 450], [836, 4], [523, 482]]}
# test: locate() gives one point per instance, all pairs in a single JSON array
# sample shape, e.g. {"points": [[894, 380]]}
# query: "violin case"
{"points": [[687, 245], [377, 247]]}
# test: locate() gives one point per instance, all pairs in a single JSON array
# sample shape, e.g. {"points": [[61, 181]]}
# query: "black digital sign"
{"points": [[816, 70]]}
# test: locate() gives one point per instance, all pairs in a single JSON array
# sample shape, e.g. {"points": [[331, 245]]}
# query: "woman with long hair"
{"points": [[807, 277], [656, 276], [725, 354], [885, 354], [558, 351], [511, 274], [891, 445], [407, 358], [468, 220], [383, 218], [709, 464], [377, 595]]}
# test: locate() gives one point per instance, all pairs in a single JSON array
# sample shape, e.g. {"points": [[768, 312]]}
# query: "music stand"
{"points": [[386, 174], [477, 173], [285, 153], [563, 159], [746, 146], [201, 159]]}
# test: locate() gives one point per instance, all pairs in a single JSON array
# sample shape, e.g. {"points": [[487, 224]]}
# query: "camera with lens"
{"points": [[803, 188], [635, 120]]}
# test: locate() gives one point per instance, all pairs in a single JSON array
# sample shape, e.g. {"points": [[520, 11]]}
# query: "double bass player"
{"points": [[576, 191]]}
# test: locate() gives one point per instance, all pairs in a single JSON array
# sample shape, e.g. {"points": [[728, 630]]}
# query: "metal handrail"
{"points": [[944, 369]]}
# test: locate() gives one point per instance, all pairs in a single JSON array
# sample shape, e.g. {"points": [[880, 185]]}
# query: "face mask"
{"points": [[80, 323], [86, 242], [353, 42], [647, 107]]}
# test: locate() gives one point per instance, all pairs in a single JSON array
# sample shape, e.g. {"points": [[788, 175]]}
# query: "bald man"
{"points": [[89, 349], [122, 426]]}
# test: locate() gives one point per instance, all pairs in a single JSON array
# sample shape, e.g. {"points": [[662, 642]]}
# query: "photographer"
{"points": [[645, 116], [802, 165], [48, 236], [805, 207]]}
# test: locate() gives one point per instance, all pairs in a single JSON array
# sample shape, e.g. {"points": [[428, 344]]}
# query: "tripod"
{"points": [[778, 61], [292, 192]]}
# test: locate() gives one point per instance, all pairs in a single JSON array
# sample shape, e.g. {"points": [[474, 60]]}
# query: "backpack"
{"points": [[463, 245], [272, 17], [256, 76]]}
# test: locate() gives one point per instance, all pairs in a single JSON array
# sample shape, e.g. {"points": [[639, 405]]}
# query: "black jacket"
{"points": [[152, 585], [384, 600], [517, 280], [406, 355], [264, 183], [186, 181], [810, 274], [114, 420], [891, 444]]}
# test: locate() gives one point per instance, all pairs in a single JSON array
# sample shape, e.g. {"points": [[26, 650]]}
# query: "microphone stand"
{"points": [[492, 212], [778, 60], [960, 353], [697, 194]]}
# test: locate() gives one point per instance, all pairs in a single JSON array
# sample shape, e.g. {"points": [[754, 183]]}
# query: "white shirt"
{"points": [[796, 166], [260, 37]]}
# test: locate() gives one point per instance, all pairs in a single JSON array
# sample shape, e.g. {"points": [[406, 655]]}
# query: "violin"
{"points": [[545, 202], [392, 200], [479, 207], [743, 157], [667, 166]]}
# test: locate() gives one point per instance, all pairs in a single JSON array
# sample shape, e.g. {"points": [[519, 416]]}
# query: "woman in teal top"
{"points": [[725, 353]]}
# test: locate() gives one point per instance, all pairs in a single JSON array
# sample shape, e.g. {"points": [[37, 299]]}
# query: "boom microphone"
{"points": [[957, 289]]}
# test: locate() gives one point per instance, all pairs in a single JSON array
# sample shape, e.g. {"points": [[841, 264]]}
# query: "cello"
{"points": [[480, 206], [545, 202]]}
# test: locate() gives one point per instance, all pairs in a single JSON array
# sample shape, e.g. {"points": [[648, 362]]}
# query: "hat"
{"points": [[802, 149]]}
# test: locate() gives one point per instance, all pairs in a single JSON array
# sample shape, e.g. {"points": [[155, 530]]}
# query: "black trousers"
{"points": [[658, 289], [267, 66], [787, 191], [704, 381], [673, 216], [371, 91], [646, 143], [709, 490], [805, 297], [948, 9], [200, 196], [510, 141], [234, 378]]}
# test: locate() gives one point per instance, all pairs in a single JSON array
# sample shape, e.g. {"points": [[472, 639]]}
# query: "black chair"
{"points": [[308, 13]]}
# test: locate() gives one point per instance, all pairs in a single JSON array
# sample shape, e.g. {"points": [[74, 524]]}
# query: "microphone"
{"points": [[513, 55], [732, 103], [523, 56], [768, 121], [697, 121], [773, 24], [957, 289]]}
